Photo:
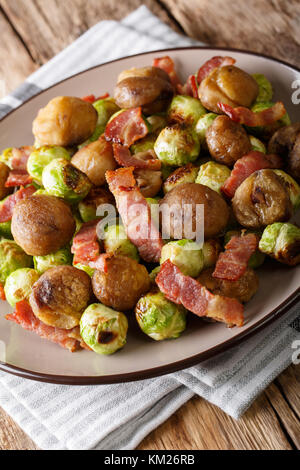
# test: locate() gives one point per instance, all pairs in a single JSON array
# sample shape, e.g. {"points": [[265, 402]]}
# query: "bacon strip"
{"points": [[20, 157], [249, 118], [18, 178], [247, 165], [101, 262], [145, 160], [25, 317], [167, 64], [211, 64], [135, 213], [6, 209], [86, 247], [127, 127], [233, 262], [188, 292], [190, 88], [2, 293]]}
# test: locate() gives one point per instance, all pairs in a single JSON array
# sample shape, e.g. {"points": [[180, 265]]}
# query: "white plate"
{"points": [[25, 354]]}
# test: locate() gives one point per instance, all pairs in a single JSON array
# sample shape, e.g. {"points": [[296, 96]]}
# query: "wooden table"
{"points": [[32, 32]]}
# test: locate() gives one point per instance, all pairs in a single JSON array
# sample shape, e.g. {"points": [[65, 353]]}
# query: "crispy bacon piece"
{"points": [[25, 317], [188, 292], [127, 127], [190, 88], [211, 64], [2, 293], [101, 262], [92, 98], [86, 247], [18, 178], [135, 213], [247, 165], [6, 209], [167, 64], [20, 157], [144, 160], [233, 262], [249, 118]]}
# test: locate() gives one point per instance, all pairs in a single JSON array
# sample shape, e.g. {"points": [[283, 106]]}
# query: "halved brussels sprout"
{"points": [[41, 157], [19, 284], [202, 125], [186, 110], [265, 92], [12, 257], [187, 255], [292, 187], [159, 318], [61, 257], [267, 131], [62, 179], [177, 145], [103, 329], [184, 174], [282, 242], [213, 175], [257, 145], [257, 259], [116, 242], [211, 250], [87, 269]]}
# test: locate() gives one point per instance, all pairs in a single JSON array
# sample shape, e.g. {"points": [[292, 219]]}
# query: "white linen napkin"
{"points": [[119, 416]]}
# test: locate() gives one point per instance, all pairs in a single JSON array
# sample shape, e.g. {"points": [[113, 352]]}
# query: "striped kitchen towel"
{"points": [[120, 416]]}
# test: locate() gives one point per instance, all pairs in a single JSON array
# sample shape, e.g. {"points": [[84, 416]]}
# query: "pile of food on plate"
{"points": [[217, 142]]}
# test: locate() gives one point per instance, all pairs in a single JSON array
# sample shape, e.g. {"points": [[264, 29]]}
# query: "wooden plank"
{"points": [[11, 435], [289, 384], [15, 62], [259, 25], [48, 27]]}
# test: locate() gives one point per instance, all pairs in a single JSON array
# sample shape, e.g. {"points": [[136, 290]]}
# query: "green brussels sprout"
{"points": [[154, 273], [257, 145], [40, 192], [282, 242], [257, 259], [12, 257], [184, 174], [19, 284], [61, 257], [213, 175], [265, 88], [87, 211], [62, 179], [103, 329], [157, 122], [177, 146], [6, 157], [5, 230], [211, 250], [292, 187], [159, 318], [41, 157], [267, 131], [202, 125], [87, 269], [116, 242], [144, 144], [187, 255], [185, 109]]}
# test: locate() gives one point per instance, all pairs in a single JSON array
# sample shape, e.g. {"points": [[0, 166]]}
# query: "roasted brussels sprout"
{"points": [[267, 131], [177, 145], [183, 174], [94, 160], [103, 329], [257, 144], [227, 140], [5, 229], [105, 108], [87, 269], [41, 157], [123, 283], [242, 290], [62, 179], [65, 121], [42, 224], [159, 318], [202, 125], [213, 175], [257, 259], [186, 255], [154, 273], [229, 85], [4, 172], [185, 110], [265, 89], [157, 122], [144, 144], [211, 250], [261, 200], [19, 284], [117, 242], [193, 195], [292, 186], [12, 257], [61, 257], [282, 242], [60, 296], [96, 198]]}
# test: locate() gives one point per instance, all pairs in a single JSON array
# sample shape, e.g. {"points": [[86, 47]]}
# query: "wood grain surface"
{"points": [[35, 30]]}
